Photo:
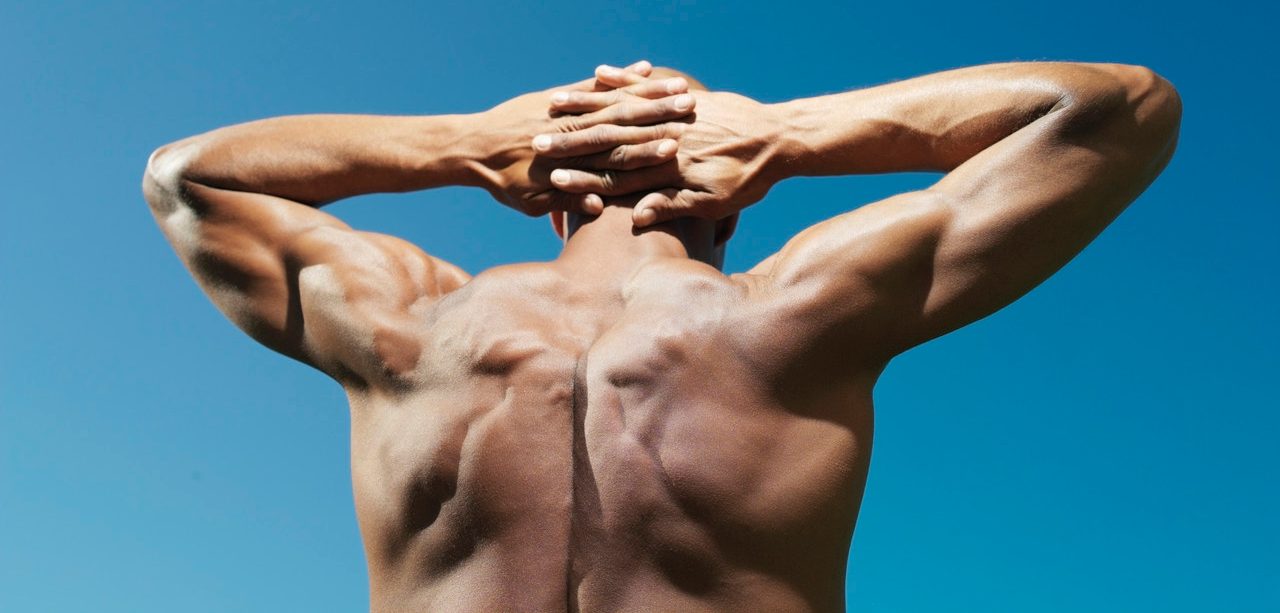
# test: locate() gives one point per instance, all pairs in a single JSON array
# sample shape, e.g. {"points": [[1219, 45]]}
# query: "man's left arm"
{"points": [[241, 207]]}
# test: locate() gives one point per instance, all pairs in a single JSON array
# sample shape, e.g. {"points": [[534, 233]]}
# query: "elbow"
{"points": [[166, 166], [1155, 114], [1148, 116], [1125, 99], [1150, 99], [165, 171]]}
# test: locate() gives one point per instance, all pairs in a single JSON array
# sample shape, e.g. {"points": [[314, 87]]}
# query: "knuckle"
{"points": [[569, 123], [609, 180], [571, 142], [600, 135], [629, 113], [636, 113], [619, 156]]}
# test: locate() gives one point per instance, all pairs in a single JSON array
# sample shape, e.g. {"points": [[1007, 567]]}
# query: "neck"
{"points": [[611, 246]]}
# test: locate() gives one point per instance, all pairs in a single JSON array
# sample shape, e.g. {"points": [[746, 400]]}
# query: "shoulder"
{"points": [[506, 295], [522, 279], [681, 276]]}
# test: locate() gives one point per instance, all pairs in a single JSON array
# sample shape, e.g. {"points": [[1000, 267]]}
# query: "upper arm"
{"points": [[910, 268], [294, 278]]}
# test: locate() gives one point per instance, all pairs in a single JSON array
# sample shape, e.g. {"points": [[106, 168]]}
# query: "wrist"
{"points": [[799, 138], [787, 147], [452, 150], [499, 149]]}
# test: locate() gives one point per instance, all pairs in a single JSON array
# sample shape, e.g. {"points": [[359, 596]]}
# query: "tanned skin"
{"points": [[626, 428]]}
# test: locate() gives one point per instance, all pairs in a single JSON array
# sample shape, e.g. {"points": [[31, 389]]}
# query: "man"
{"points": [[626, 428]]}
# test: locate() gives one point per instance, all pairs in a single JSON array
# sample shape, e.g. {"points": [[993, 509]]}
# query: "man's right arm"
{"points": [[1040, 158]]}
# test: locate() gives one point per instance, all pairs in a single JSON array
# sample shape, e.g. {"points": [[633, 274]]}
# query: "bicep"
{"points": [[899, 272], [857, 278], [295, 278], [1024, 207]]}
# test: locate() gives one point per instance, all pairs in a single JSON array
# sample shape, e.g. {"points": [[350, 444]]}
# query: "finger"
{"points": [[627, 157], [640, 112], [630, 111], [637, 112], [600, 138], [585, 85], [658, 88], [557, 200], [612, 183], [642, 68], [663, 205], [612, 76], [586, 102]]}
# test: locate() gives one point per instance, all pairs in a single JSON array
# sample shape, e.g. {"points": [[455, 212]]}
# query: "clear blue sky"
{"points": [[1108, 443]]}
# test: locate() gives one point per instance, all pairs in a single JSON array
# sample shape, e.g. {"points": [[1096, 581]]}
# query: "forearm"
{"points": [[934, 122], [317, 159]]}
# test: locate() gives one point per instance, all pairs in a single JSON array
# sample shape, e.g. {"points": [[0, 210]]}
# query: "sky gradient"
{"points": [[1107, 443]]}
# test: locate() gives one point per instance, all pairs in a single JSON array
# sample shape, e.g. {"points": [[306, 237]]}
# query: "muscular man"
{"points": [[626, 428]]}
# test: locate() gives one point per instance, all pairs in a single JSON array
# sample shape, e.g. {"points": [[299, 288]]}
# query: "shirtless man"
{"points": [[626, 428]]}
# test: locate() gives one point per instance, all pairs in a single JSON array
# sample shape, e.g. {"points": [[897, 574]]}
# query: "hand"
{"points": [[630, 110], [724, 164]]}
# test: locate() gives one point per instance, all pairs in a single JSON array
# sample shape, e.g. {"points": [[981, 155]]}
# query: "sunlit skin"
{"points": [[626, 428]]}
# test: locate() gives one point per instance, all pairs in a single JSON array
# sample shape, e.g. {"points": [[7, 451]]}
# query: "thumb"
{"points": [[661, 206]]}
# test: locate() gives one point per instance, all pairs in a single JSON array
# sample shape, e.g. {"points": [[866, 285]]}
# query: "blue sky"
{"points": [[1105, 444]]}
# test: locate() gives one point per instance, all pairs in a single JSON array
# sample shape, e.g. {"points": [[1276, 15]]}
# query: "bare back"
{"points": [[636, 448], [623, 429]]}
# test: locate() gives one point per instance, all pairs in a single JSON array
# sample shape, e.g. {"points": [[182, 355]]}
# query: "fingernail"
{"points": [[542, 142], [676, 85], [684, 102], [643, 65], [560, 97], [646, 216], [560, 176], [594, 204], [667, 147]]}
